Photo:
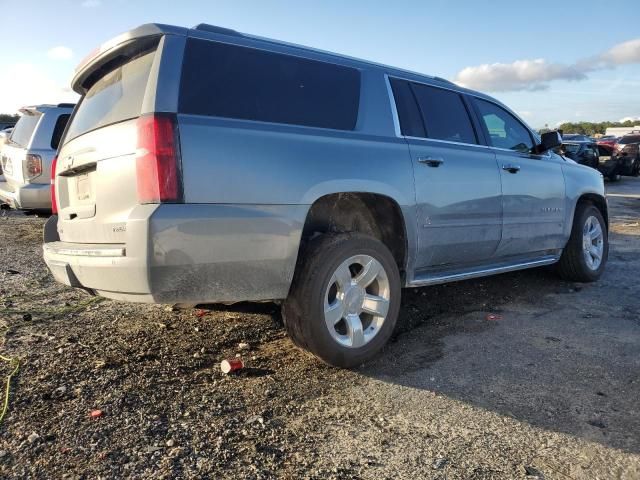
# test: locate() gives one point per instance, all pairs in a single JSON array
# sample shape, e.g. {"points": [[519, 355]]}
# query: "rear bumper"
{"points": [[32, 196], [188, 254]]}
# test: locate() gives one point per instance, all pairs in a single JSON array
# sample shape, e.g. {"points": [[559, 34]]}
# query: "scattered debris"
{"points": [[493, 316], [244, 346], [200, 312], [26, 317], [11, 271], [597, 422], [33, 438], [533, 472], [440, 463], [96, 413], [231, 365]]}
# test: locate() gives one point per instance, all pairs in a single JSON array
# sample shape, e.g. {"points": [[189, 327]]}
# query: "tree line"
{"points": [[7, 118], [592, 128]]}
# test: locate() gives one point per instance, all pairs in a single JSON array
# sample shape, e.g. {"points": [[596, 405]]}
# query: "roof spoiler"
{"points": [[110, 49]]}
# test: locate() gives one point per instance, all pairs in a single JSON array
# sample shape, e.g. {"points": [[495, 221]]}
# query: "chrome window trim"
{"points": [[394, 107], [450, 142]]}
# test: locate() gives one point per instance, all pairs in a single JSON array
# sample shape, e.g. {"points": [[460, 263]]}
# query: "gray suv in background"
{"points": [[27, 154], [206, 165]]}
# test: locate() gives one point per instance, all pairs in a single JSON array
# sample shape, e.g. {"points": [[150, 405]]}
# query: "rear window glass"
{"points": [[23, 131], [115, 97], [61, 122], [244, 83], [629, 139]]}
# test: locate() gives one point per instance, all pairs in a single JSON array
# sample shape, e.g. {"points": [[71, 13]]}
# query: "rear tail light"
{"points": [[33, 166], [54, 204], [158, 159]]}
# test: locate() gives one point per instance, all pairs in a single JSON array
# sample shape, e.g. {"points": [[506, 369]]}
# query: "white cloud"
{"points": [[519, 75], [630, 119], [91, 3], [60, 53], [29, 85], [621, 54], [534, 75]]}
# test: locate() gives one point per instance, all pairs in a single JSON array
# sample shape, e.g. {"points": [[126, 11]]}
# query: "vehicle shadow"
{"points": [[556, 355]]}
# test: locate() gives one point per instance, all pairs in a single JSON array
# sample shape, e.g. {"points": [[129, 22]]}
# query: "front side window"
{"points": [[445, 114], [504, 130], [230, 81]]}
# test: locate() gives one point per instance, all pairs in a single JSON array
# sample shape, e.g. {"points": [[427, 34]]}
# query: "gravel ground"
{"points": [[550, 390]]}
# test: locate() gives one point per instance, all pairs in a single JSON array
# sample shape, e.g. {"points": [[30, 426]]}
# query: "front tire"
{"points": [[344, 299], [585, 255]]}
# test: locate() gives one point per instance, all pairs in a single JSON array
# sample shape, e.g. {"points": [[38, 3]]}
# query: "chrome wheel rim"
{"points": [[592, 242], [356, 301]]}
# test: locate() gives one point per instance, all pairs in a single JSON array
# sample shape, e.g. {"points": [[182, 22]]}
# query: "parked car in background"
{"points": [[610, 140], [608, 163], [5, 125], [628, 149], [576, 137], [27, 155], [4, 135], [582, 152], [207, 165]]}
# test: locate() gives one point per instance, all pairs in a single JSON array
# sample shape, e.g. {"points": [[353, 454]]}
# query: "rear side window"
{"points": [[23, 131], [61, 122], [445, 114], [115, 97], [237, 82], [411, 123], [504, 130]]}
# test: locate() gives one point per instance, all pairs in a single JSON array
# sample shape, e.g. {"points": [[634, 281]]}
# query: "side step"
{"points": [[433, 278]]}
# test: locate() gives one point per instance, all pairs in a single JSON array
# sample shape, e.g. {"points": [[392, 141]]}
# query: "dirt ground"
{"points": [[550, 390]]}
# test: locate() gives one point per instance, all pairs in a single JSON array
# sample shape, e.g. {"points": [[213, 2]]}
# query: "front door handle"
{"points": [[511, 168], [431, 161]]}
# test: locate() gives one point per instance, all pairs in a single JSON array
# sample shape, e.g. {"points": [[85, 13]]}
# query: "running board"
{"points": [[437, 278]]}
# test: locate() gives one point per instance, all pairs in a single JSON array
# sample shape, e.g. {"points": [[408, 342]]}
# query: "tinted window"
{"points": [[504, 130], [23, 131], [237, 82], [629, 139], [445, 115], [407, 108], [61, 122], [115, 97]]}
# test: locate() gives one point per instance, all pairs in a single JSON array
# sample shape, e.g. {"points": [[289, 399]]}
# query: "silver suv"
{"points": [[27, 155], [206, 165]]}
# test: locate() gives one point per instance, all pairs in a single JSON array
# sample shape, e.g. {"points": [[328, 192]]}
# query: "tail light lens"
{"points": [[54, 204], [158, 160], [33, 166]]}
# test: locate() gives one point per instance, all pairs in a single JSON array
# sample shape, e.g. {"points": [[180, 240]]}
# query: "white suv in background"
{"points": [[26, 156]]}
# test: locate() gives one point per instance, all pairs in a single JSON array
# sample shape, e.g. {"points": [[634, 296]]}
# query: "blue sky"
{"points": [[562, 71]]}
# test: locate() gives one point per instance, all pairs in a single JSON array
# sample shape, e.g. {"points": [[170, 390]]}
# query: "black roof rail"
{"points": [[444, 80], [66, 105], [205, 27]]}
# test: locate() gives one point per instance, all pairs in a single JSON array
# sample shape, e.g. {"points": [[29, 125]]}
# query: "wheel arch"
{"points": [[372, 213]]}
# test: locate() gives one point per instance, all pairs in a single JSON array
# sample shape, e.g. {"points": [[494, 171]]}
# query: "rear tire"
{"points": [[585, 255], [340, 281]]}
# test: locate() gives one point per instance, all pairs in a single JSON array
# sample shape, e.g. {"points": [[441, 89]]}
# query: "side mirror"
{"points": [[549, 140]]}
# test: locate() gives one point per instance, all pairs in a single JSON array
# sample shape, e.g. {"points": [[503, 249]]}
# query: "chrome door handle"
{"points": [[431, 161], [511, 168]]}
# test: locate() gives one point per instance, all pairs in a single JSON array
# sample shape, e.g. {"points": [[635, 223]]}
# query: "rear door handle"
{"points": [[511, 168], [431, 161]]}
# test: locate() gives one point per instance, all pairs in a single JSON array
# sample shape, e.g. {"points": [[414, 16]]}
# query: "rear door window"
{"points": [[411, 123], [23, 131], [445, 114], [61, 122], [503, 129], [229, 81], [115, 97]]}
